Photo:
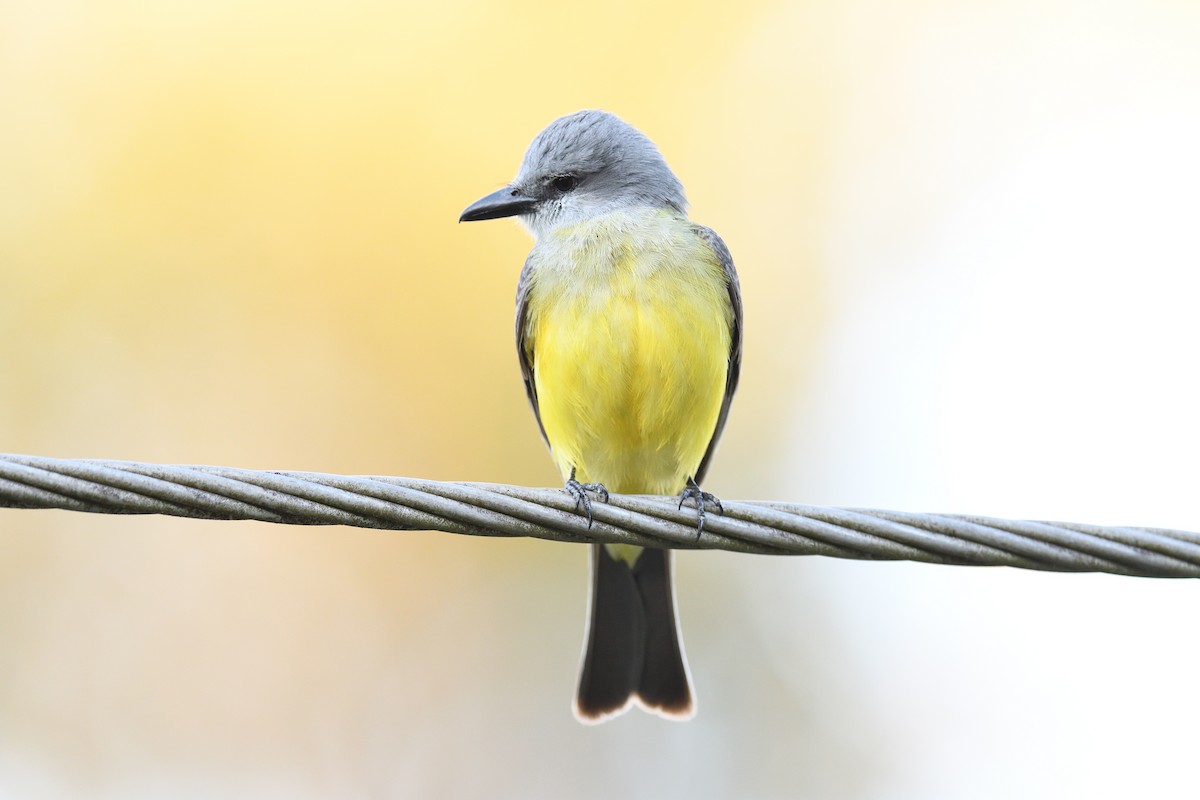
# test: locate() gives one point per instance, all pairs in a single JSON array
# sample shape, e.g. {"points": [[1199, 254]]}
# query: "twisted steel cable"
{"points": [[310, 498]]}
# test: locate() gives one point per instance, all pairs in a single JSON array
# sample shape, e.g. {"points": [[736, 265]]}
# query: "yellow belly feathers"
{"points": [[628, 325]]}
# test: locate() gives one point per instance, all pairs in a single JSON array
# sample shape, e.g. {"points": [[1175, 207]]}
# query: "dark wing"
{"points": [[735, 340], [525, 348]]}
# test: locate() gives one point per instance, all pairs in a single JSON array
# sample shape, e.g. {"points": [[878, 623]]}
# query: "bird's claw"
{"points": [[579, 491], [699, 497]]}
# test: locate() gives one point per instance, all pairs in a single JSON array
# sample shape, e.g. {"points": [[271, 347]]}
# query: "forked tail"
{"points": [[633, 651]]}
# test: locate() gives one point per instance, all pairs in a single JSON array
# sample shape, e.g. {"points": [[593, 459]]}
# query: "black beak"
{"points": [[508, 202]]}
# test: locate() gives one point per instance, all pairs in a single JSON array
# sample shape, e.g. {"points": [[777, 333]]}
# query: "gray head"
{"points": [[581, 165]]}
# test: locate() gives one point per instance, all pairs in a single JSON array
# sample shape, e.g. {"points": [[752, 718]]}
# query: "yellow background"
{"points": [[966, 236]]}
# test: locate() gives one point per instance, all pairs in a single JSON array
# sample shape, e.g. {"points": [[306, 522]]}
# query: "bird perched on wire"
{"points": [[629, 334]]}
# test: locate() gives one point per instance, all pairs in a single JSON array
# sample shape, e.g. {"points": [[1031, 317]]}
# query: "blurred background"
{"points": [[967, 238]]}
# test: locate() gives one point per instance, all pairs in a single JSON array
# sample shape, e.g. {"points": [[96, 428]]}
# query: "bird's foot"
{"points": [[580, 492], [700, 498]]}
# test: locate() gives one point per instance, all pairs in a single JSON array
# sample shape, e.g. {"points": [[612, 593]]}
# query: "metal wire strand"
{"points": [[310, 498]]}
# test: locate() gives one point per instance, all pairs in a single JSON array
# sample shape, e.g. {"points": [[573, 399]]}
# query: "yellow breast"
{"points": [[628, 328]]}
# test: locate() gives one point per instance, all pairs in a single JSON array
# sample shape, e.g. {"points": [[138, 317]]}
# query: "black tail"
{"points": [[633, 648]]}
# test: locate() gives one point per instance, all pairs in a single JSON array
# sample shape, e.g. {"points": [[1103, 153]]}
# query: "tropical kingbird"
{"points": [[629, 334]]}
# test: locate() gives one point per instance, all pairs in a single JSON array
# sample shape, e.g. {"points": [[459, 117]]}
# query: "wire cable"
{"points": [[311, 498]]}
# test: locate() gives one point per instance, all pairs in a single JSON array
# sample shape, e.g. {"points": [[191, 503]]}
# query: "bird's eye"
{"points": [[564, 183]]}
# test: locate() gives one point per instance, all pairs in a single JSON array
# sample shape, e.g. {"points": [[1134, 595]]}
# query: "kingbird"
{"points": [[629, 334]]}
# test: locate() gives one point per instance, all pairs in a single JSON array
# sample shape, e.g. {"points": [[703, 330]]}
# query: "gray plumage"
{"points": [[614, 166], [735, 340]]}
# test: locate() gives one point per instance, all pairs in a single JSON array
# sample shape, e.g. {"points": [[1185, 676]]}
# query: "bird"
{"points": [[629, 337]]}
